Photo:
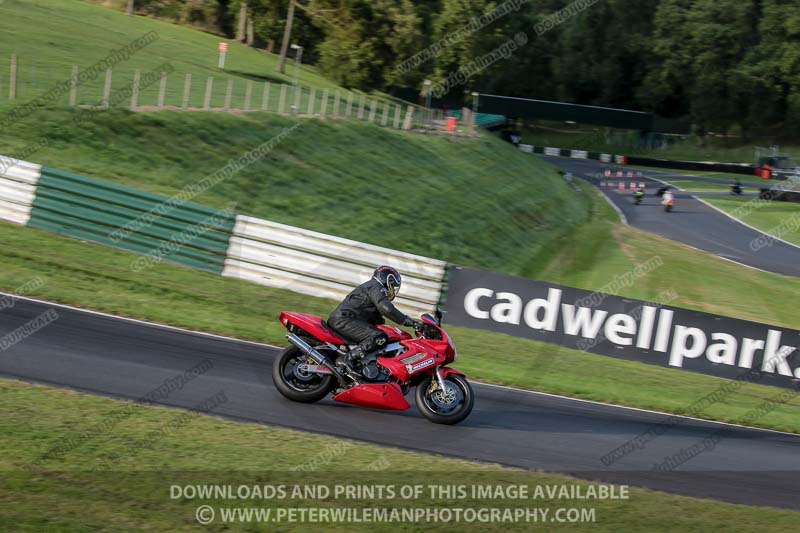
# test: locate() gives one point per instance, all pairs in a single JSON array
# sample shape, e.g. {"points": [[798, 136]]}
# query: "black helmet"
{"points": [[390, 279]]}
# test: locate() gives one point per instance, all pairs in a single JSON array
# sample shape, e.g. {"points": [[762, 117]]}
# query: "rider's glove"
{"points": [[409, 322]]}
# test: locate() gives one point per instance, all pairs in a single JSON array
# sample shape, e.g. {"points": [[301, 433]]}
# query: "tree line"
{"points": [[724, 65]]}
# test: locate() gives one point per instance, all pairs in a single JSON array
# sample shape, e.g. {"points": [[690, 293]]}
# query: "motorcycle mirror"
{"points": [[438, 314]]}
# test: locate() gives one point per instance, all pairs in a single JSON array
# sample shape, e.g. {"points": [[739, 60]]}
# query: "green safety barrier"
{"points": [[142, 222]]}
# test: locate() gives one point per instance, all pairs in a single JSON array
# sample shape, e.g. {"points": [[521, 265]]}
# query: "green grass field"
{"points": [[779, 219], [49, 36], [121, 477]]}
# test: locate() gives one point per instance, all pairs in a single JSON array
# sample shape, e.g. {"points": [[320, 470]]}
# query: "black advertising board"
{"points": [[651, 332]]}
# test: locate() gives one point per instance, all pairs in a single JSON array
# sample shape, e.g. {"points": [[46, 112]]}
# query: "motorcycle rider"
{"points": [[638, 194], [364, 308]]}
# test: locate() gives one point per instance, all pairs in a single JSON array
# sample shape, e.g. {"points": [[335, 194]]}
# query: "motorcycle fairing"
{"points": [[386, 396]]}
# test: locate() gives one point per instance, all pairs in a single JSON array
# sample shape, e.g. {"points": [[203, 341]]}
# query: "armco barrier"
{"points": [[322, 265], [734, 168], [95, 210], [18, 181], [574, 154], [243, 247]]}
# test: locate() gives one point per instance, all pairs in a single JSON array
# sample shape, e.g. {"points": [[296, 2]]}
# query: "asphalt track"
{"points": [[693, 223], [127, 359]]}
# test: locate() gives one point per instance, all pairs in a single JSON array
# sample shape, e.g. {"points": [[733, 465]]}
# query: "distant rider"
{"points": [[668, 197], [364, 308]]}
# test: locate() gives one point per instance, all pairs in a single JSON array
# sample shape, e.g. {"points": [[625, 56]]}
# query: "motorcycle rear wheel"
{"points": [[448, 407], [296, 385]]}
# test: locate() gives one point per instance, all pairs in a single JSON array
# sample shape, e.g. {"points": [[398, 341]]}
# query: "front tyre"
{"points": [[295, 384], [450, 406]]}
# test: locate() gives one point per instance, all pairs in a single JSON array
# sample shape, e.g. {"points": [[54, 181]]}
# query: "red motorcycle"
{"points": [[307, 371]]}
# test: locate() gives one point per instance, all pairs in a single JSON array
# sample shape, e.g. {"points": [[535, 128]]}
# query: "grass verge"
{"points": [[778, 219], [165, 448]]}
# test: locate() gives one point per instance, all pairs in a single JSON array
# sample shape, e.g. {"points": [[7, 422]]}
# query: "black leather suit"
{"points": [[364, 308]]}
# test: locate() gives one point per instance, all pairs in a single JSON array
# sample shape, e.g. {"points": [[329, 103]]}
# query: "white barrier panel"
{"points": [[323, 265], [605, 158], [552, 151], [18, 181], [579, 154], [304, 284], [526, 148]]}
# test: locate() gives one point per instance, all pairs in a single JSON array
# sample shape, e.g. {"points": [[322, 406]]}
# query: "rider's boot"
{"points": [[351, 358]]}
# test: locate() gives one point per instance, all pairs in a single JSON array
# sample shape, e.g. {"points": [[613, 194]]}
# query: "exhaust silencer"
{"points": [[308, 350], [316, 356]]}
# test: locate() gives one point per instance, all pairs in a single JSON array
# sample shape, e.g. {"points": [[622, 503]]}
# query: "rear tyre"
{"points": [[445, 407], [295, 384]]}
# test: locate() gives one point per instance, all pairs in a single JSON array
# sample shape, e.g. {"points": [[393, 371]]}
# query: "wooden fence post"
{"points": [[372, 109], [187, 90], [228, 95], [361, 107], [162, 90], [209, 88], [385, 116], [298, 93], [397, 110], [282, 101], [347, 110], [408, 122], [265, 97], [336, 98], [12, 80], [135, 93], [107, 90], [248, 93], [324, 109], [73, 86]]}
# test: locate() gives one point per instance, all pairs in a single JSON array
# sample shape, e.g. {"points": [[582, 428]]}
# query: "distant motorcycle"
{"points": [[660, 192], [669, 204], [638, 194], [736, 188]]}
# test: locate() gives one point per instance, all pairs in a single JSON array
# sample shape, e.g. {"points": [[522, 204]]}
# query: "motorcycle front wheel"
{"points": [[449, 406], [296, 384]]}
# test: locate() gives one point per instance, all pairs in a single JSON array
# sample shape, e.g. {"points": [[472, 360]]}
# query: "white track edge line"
{"points": [[622, 216], [742, 222], [515, 389], [137, 320]]}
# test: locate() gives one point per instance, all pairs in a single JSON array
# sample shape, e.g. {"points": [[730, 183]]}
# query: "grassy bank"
{"points": [[197, 300], [49, 36], [469, 201], [156, 449]]}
